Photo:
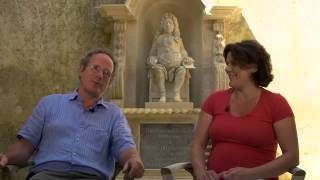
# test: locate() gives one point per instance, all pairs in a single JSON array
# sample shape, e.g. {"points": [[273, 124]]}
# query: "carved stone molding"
{"points": [[119, 50], [128, 111], [220, 12], [220, 76], [132, 6], [116, 11], [218, 27]]}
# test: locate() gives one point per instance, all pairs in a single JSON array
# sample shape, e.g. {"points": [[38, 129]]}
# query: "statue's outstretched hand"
{"points": [[152, 61], [187, 62]]}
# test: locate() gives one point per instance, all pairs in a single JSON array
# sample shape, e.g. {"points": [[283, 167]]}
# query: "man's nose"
{"points": [[100, 74]]}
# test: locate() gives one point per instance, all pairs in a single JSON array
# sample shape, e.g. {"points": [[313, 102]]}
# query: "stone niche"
{"points": [[135, 24], [157, 129]]}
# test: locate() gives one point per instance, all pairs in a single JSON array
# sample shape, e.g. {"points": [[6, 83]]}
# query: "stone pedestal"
{"points": [[163, 135], [172, 105]]}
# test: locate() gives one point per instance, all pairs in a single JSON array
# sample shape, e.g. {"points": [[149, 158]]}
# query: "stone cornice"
{"points": [[116, 11], [220, 12], [155, 111]]}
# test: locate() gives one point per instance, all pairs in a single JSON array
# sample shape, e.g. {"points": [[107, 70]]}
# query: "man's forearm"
{"points": [[127, 154], [20, 152]]}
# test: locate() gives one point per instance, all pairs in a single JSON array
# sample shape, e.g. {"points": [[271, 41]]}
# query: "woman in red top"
{"points": [[246, 122]]}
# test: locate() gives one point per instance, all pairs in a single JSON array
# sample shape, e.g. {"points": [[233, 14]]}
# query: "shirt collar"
{"points": [[74, 96]]}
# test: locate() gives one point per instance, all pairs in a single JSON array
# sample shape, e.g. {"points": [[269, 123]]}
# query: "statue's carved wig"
{"points": [[165, 17]]}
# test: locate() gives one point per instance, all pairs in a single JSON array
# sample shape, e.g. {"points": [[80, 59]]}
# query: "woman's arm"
{"points": [[199, 143], [286, 134]]}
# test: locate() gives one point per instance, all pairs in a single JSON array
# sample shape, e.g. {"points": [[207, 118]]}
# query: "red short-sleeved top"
{"points": [[245, 141]]}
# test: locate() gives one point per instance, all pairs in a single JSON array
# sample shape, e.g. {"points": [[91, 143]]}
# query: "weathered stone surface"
{"points": [[41, 43], [165, 144], [175, 105], [237, 28]]}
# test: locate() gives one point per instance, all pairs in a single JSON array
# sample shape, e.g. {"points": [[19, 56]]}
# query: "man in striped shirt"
{"points": [[78, 135]]}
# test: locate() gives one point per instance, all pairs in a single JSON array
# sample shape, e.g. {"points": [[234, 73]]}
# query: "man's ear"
{"points": [[82, 68], [111, 79]]}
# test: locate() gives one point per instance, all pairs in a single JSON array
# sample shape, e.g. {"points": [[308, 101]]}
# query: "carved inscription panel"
{"points": [[165, 144]]}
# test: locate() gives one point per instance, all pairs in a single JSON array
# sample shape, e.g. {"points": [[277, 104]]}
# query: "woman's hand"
{"points": [[238, 173], [208, 175]]}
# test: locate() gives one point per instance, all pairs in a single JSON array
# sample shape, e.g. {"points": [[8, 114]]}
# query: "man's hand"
{"points": [[3, 160], [133, 168]]}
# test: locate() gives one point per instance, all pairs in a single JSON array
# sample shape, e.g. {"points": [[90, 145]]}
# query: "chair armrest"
{"points": [[297, 173], [20, 166], [117, 170], [169, 172], [9, 172]]}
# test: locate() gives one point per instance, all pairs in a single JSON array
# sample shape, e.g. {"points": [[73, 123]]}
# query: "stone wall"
{"points": [[236, 28], [41, 43]]}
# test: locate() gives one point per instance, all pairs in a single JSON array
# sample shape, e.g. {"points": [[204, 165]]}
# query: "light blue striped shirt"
{"points": [[69, 138]]}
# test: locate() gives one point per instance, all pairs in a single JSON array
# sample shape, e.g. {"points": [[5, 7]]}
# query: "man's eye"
{"points": [[106, 73], [96, 67]]}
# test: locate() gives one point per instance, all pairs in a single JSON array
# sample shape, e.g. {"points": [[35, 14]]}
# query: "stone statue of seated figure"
{"points": [[168, 60]]}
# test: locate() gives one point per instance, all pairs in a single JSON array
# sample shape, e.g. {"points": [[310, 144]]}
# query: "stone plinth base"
{"points": [[164, 135], [173, 105]]}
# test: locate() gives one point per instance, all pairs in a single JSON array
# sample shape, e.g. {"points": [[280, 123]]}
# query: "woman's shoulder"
{"points": [[224, 92], [216, 101], [218, 94], [272, 95], [273, 98], [278, 106]]}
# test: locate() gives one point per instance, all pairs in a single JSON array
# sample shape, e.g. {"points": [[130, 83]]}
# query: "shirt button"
{"points": [[74, 154]]}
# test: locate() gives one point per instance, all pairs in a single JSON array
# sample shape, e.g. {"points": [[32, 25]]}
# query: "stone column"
{"points": [[119, 50], [221, 78]]}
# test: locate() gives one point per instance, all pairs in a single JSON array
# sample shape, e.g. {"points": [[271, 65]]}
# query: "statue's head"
{"points": [[169, 24], [220, 41], [219, 37]]}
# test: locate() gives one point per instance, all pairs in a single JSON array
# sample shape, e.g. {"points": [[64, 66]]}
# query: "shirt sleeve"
{"points": [[282, 108], [121, 136], [32, 130], [208, 105]]}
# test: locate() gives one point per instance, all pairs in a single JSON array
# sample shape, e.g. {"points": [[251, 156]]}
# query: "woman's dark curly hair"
{"points": [[249, 52]]}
